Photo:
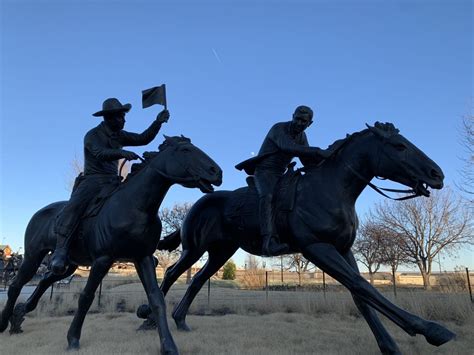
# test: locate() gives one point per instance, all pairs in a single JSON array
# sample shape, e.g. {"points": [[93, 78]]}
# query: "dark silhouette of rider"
{"points": [[284, 141], [102, 151]]}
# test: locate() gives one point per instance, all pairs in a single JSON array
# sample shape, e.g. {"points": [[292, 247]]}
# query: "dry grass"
{"points": [[454, 307], [440, 307], [277, 333], [243, 322]]}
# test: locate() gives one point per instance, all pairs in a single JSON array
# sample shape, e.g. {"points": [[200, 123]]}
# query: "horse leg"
{"points": [[147, 272], [23, 308], [186, 260], [99, 269], [218, 255], [385, 342], [327, 258], [27, 270]]}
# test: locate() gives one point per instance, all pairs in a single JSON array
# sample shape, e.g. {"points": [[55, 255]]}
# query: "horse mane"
{"points": [[148, 156], [386, 130], [137, 167]]}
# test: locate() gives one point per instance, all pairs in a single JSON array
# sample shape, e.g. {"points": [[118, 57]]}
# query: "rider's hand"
{"points": [[163, 116], [130, 155]]}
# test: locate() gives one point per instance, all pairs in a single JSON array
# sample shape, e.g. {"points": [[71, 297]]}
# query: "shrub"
{"points": [[229, 270]]}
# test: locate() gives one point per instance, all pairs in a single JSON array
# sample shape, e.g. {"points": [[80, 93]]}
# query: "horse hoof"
{"points": [[147, 325], [73, 344], [182, 326], [169, 349], [143, 311], [437, 334], [17, 318]]}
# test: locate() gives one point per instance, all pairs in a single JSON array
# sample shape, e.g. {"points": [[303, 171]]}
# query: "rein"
{"points": [[179, 180], [123, 164], [380, 190]]}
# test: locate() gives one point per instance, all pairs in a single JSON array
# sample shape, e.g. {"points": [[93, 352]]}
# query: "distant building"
{"points": [[5, 252]]}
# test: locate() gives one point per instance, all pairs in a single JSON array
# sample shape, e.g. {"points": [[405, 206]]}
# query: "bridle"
{"points": [[194, 177], [412, 192]]}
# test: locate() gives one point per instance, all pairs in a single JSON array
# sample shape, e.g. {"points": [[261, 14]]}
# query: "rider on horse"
{"points": [[284, 141], [102, 150]]}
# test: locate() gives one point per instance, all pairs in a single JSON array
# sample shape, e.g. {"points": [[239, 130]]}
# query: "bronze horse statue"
{"points": [[127, 228], [322, 225]]}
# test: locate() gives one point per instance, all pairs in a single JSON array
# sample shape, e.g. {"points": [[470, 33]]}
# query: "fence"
{"points": [[261, 286], [453, 281], [270, 281]]}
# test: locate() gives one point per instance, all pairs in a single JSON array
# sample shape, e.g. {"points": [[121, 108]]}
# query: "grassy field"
{"points": [[239, 322]]}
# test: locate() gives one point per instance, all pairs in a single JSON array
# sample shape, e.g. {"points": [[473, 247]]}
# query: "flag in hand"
{"points": [[155, 95]]}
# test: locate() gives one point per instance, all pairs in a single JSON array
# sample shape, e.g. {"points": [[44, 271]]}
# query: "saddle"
{"points": [[241, 209], [96, 204]]}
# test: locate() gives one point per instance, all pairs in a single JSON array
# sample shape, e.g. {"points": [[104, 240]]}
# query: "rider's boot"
{"points": [[271, 245], [59, 260]]}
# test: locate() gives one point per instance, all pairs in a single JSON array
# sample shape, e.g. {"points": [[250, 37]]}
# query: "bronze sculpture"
{"points": [[125, 228], [102, 150], [284, 141], [316, 216]]}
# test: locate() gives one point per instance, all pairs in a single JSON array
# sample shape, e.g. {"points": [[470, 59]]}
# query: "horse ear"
{"points": [[186, 139], [377, 131], [166, 137]]}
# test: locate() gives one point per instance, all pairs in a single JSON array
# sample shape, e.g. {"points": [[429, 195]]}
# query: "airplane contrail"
{"points": [[216, 55]]}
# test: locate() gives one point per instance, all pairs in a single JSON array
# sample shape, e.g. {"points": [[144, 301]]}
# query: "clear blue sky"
{"points": [[232, 70]]}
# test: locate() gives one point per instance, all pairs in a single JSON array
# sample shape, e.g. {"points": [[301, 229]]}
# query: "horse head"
{"points": [[399, 160], [183, 163]]}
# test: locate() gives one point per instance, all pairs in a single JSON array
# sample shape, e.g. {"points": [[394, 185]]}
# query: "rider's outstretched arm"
{"points": [[136, 139], [289, 145]]}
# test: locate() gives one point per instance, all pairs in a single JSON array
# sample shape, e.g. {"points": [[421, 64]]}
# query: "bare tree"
{"points": [[254, 276], [298, 263], [427, 227], [167, 258], [467, 173], [171, 220], [77, 167], [279, 262], [384, 248], [367, 247], [392, 253], [251, 262]]}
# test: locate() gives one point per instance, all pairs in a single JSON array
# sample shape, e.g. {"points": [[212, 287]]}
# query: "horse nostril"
{"points": [[213, 170], [435, 174]]}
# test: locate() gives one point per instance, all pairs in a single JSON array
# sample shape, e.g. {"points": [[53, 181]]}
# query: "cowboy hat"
{"points": [[112, 105]]}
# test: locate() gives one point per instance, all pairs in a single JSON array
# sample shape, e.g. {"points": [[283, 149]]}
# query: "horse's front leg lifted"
{"points": [[327, 258], [147, 273], [385, 342], [99, 269]]}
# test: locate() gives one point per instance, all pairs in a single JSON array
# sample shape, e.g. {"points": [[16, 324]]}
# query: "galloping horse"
{"points": [[322, 225], [127, 228]]}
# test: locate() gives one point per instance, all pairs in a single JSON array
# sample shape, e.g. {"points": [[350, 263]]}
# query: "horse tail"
{"points": [[171, 241]]}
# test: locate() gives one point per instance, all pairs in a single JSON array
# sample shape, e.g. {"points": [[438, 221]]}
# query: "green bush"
{"points": [[229, 270]]}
